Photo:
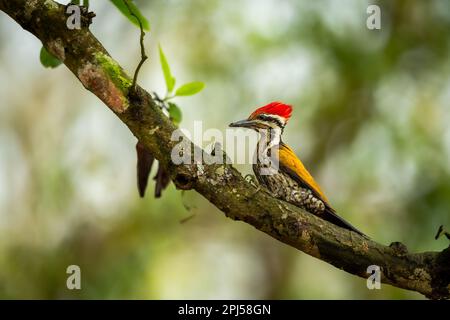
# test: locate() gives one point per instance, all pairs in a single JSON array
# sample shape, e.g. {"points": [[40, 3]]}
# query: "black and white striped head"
{"points": [[275, 115]]}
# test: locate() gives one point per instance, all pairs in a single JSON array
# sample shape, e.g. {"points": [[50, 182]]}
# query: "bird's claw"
{"points": [[251, 179]]}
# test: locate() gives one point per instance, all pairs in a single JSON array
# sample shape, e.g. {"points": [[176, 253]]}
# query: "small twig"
{"points": [[168, 97], [157, 98], [184, 220], [160, 102], [143, 54], [442, 231]]}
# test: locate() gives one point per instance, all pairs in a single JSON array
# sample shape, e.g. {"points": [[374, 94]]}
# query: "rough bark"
{"points": [[427, 272]]}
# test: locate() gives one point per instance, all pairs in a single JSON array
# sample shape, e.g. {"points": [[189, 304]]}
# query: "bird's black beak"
{"points": [[243, 124]]}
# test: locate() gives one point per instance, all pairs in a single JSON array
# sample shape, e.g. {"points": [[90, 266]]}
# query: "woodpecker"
{"points": [[288, 180]]}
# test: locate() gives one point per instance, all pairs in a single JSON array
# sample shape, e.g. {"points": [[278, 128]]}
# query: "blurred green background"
{"points": [[371, 122]]}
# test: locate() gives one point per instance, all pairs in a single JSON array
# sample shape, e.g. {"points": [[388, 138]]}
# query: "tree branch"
{"points": [[427, 273]]}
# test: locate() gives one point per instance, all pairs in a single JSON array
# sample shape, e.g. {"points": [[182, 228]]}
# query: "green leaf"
{"points": [[175, 113], [48, 60], [190, 88], [120, 4], [170, 80]]}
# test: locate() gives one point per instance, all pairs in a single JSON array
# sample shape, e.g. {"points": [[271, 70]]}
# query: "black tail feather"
{"points": [[331, 216]]}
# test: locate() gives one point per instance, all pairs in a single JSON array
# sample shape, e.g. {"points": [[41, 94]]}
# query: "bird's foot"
{"points": [[252, 180]]}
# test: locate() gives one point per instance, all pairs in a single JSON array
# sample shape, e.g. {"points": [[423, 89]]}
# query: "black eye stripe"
{"points": [[271, 119]]}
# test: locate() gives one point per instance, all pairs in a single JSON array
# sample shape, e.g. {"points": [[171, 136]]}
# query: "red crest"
{"points": [[274, 108]]}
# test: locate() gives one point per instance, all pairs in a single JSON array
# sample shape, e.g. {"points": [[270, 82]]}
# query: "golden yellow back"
{"points": [[297, 171]]}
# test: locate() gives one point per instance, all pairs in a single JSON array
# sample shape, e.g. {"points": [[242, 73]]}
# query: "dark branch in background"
{"points": [[141, 41], [427, 272]]}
